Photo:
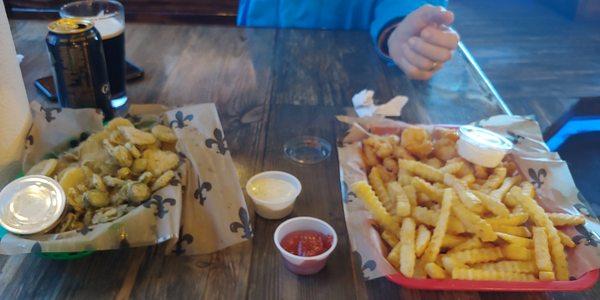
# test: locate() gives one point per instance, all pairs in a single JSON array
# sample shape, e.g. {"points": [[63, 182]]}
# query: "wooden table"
{"points": [[269, 86]]}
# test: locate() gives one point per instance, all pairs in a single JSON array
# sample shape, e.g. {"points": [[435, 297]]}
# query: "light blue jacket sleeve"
{"points": [[388, 12], [372, 15]]}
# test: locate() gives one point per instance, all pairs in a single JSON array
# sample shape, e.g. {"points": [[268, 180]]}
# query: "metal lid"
{"points": [[31, 204], [70, 25], [484, 138]]}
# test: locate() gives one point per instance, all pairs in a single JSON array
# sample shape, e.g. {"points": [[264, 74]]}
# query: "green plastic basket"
{"points": [[54, 255], [65, 255]]}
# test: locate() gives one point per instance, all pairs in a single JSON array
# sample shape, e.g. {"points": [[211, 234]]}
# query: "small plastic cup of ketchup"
{"points": [[305, 243]]}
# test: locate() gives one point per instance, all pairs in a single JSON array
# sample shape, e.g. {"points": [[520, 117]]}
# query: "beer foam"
{"points": [[109, 27]]}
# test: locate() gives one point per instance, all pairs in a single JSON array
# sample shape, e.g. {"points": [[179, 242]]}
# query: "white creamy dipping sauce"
{"points": [[272, 189]]}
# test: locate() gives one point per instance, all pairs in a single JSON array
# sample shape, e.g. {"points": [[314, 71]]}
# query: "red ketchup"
{"points": [[306, 243]]}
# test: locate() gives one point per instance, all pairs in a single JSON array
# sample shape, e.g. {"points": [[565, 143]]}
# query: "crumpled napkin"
{"points": [[365, 106]]}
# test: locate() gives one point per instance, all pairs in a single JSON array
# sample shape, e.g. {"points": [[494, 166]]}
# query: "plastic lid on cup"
{"points": [[31, 204], [481, 146]]}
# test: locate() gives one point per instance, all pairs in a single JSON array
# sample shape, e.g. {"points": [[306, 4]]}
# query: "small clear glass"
{"points": [[307, 149]]}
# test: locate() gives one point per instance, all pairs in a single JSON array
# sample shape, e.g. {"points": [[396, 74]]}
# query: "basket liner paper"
{"points": [[202, 210], [544, 169]]}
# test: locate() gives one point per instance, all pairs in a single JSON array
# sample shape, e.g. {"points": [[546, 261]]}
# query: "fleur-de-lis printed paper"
{"points": [[212, 184], [549, 174], [204, 228]]}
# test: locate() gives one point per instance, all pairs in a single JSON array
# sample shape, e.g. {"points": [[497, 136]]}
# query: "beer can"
{"points": [[79, 66], [31, 204]]}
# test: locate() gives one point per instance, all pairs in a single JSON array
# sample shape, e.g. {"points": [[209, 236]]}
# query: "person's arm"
{"points": [[418, 42], [387, 15]]}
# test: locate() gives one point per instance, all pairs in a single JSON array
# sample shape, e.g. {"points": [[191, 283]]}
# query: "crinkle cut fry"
{"points": [[467, 198], [565, 239], [475, 274], [363, 190], [514, 266], [422, 170], [425, 187], [379, 187], [496, 207], [560, 219], [513, 219], [422, 240], [517, 252], [540, 218], [520, 231], [500, 192], [473, 222], [478, 255], [435, 243], [542, 254], [472, 243], [430, 217], [397, 193], [407, 247], [434, 271], [495, 179]]}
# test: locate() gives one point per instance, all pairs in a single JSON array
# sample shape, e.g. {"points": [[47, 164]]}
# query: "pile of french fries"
{"points": [[444, 217]]}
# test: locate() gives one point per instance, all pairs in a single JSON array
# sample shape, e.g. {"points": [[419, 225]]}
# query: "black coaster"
{"points": [[46, 85]]}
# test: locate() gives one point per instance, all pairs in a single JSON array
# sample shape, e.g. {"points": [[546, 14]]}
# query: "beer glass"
{"points": [[109, 19]]}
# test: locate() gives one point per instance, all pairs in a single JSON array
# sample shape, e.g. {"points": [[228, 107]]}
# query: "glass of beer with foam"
{"points": [[109, 19]]}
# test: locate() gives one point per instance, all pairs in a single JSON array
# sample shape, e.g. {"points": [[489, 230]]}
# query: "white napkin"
{"points": [[365, 107], [15, 117]]}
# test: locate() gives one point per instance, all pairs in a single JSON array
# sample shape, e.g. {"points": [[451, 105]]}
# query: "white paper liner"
{"points": [[201, 211], [549, 174]]}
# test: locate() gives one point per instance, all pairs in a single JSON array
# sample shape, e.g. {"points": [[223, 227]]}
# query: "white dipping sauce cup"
{"points": [[481, 146], [278, 208], [302, 265]]}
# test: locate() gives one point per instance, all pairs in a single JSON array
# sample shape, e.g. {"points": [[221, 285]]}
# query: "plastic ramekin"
{"points": [[279, 208], [299, 264], [481, 146]]}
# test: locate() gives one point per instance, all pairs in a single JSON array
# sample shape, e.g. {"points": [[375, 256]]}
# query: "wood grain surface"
{"points": [[540, 61], [269, 86]]}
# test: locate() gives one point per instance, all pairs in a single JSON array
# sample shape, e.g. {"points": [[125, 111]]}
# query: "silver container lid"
{"points": [[31, 204], [484, 138]]}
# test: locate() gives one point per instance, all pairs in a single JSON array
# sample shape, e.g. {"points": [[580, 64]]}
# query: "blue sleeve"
{"points": [[387, 12]]}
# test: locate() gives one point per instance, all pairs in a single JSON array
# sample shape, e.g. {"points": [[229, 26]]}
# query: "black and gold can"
{"points": [[79, 67]]}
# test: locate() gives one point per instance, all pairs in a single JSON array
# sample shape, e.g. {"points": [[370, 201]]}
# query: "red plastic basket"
{"points": [[583, 283]]}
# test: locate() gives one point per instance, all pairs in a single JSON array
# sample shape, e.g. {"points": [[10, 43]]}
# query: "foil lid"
{"points": [[31, 204]]}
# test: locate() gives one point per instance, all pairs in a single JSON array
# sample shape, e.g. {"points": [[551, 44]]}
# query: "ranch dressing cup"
{"points": [[273, 193], [31, 204], [481, 146]]}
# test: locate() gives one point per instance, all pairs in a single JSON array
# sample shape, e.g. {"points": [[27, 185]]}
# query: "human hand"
{"points": [[422, 42]]}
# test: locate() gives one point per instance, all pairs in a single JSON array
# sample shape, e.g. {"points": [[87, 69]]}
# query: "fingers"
{"points": [[417, 60], [422, 42], [446, 38], [411, 71], [447, 18], [430, 51], [434, 14]]}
